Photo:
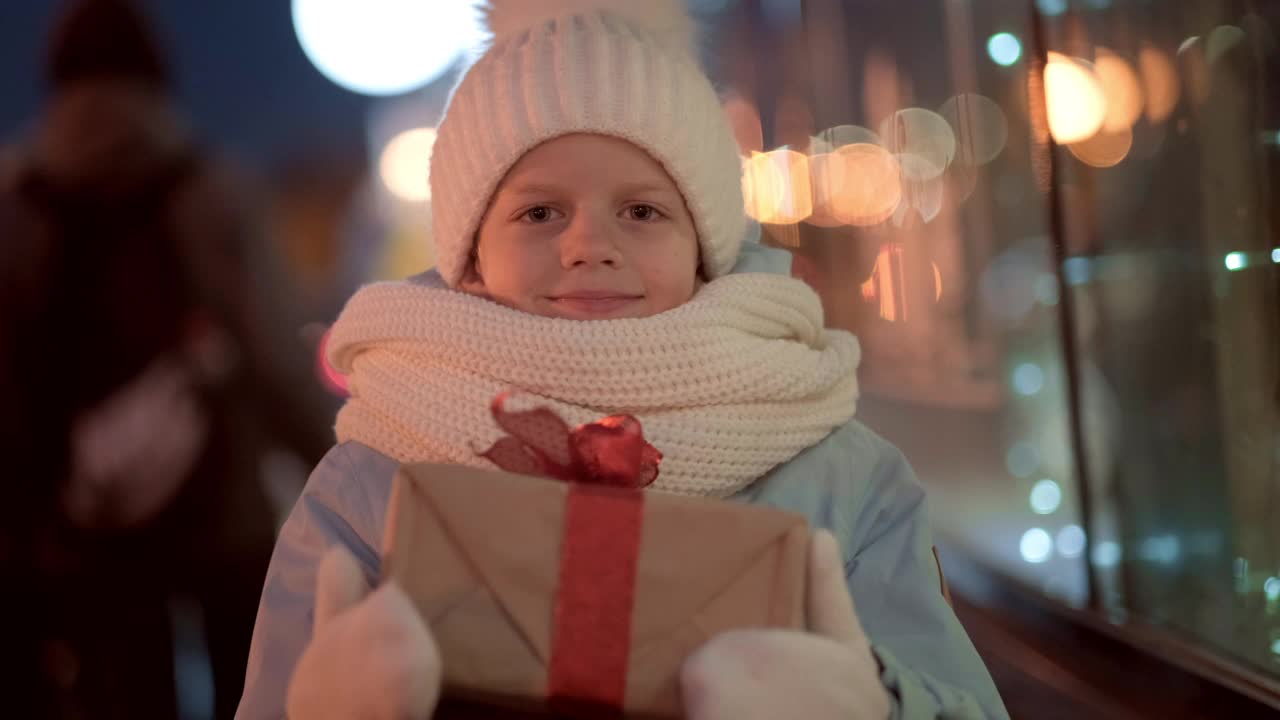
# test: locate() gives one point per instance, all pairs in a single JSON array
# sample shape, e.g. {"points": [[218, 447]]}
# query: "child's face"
{"points": [[586, 227]]}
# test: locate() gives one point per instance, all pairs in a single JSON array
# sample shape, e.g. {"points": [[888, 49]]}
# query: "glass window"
{"points": [[1052, 225]]}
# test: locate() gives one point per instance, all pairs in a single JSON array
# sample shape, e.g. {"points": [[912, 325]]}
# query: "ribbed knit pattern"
{"points": [[591, 72], [734, 382]]}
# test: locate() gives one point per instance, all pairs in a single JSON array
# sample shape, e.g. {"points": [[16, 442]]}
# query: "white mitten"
{"points": [[826, 674], [370, 656]]}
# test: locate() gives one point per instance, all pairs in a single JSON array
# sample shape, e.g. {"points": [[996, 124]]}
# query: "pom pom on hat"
{"points": [[667, 21]]}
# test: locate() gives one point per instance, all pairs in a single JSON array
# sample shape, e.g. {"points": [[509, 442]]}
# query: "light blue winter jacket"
{"points": [[852, 482]]}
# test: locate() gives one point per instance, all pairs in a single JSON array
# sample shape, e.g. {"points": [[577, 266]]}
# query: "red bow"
{"points": [[611, 451]]}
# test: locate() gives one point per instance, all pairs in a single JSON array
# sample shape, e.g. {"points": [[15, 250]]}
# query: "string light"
{"points": [[1107, 554], [1163, 549], [1051, 7], [1046, 497], [383, 47], [1272, 588], [405, 163], [1004, 49], [1028, 379], [1036, 545], [1071, 539]]}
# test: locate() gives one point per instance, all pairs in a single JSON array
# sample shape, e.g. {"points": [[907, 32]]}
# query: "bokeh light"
{"points": [[1236, 261], [333, 381], [1051, 8], [1122, 89], [1222, 40], [980, 127], [405, 164], [1074, 99], [1036, 546], [1271, 588], [1071, 541], [1028, 379], [1106, 554], [776, 187], [1077, 270], [1004, 48], [1162, 549], [1046, 496], [834, 138], [961, 181], [1159, 83], [857, 184], [922, 189], [920, 132], [826, 179], [383, 47], [885, 286], [888, 285], [1104, 149]]}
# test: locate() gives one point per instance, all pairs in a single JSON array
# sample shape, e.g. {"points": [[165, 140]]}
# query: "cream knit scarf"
{"points": [[734, 382]]}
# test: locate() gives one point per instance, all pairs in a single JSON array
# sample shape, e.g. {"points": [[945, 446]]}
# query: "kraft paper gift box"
{"points": [[582, 600]]}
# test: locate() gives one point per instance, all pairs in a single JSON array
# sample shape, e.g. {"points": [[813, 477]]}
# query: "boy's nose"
{"points": [[589, 240]]}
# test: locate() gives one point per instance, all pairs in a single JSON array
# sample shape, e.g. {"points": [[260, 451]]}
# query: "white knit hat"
{"points": [[623, 68]]}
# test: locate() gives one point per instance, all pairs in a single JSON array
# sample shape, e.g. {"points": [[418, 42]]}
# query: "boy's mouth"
{"points": [[592, 303]]}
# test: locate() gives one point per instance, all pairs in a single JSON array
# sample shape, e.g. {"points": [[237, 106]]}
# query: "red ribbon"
{"points": [[592, 635], [606, 463]]}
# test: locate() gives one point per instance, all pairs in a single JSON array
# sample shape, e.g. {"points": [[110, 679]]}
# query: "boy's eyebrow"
{"points": [[642, 187], [530, 188], [536, 188]]}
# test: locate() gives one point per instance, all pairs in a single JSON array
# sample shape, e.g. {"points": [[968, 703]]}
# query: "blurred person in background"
{"points": [[144, 379]]}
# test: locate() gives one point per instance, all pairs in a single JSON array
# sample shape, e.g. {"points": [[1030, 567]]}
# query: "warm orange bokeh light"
{"points": [[1074, 99], [405, 162], [776, 187], [855, 185], [833, 138], [1123, 91], [1106, 149], [1160, 81], [886, 287], [826, 176]]}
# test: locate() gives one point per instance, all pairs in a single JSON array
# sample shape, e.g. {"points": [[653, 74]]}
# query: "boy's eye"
{"points": [[539, 214], [643, 213]]}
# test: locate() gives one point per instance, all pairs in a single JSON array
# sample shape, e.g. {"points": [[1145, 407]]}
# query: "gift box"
{"points": [[580, 599]]}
